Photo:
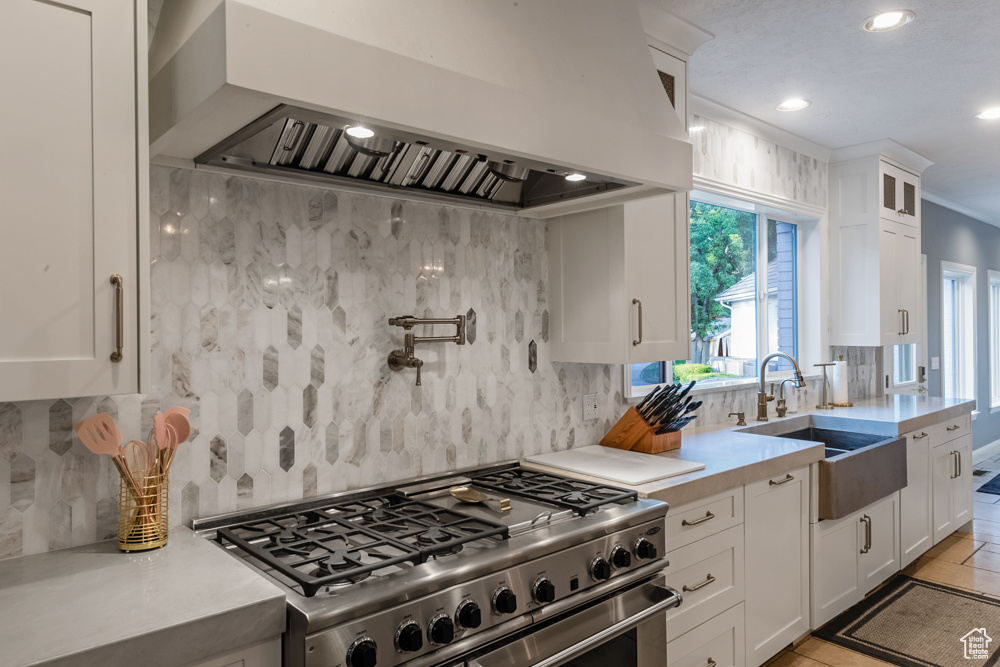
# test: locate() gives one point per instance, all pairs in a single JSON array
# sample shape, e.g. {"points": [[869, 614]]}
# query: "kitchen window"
{"points": [[739, 314], [994, 315], [958, 329]]}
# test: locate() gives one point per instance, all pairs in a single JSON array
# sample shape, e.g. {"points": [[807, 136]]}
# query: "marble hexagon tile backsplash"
{"points": [[270, 305]]}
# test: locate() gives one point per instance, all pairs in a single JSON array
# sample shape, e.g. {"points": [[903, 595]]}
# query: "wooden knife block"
{"points": [[633, 433]]}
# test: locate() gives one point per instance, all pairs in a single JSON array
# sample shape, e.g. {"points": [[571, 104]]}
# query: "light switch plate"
{"points": [[590, 407], [935, 363]]}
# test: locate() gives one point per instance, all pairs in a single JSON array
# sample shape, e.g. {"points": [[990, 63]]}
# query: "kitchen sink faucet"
{"points": [[762, 396]]}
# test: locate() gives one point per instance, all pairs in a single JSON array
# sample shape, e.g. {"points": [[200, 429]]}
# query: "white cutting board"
{"points": [[616, 465]]}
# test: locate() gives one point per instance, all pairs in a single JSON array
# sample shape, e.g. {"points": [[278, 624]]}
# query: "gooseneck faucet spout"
{"points": [[762, 396]]}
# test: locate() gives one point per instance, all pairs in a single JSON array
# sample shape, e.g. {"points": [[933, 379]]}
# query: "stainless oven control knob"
{"points": [[543, 591], [469, 615], [441, 630], [644, 549], [409, 637], [504, 601], [620, 558], [362, 653], [600, 569]]}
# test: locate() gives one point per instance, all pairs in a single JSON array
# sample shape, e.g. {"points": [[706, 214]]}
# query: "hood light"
{"points": [[989, 114], [794, 104], [887, 20], [575, 177], [360, 132], [696, 128]]}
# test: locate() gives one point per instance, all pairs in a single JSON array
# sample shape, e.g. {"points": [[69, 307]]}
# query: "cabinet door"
{"points": [[69, 196], [890, 312], [961, 497], [915, 499], [944, 465], [777, 558], [899, 194], [836, 546], [881, 559], [908, 282], [657, 263]]}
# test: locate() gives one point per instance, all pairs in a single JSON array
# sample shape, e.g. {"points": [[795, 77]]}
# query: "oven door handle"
{"points": [[668, 598]]}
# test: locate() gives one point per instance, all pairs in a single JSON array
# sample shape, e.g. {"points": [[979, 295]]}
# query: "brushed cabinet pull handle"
{"points": [[787, 479], [921, 436], [119, 284], [691, 589], [694, 522], [901, 325], [906, 314], [953, 428], [959, 454], [954, 461], [639, 303], [868, 533]]}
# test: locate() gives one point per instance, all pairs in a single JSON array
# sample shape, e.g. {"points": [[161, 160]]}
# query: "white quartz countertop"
{"points": [[96, 605], [733, 458]]}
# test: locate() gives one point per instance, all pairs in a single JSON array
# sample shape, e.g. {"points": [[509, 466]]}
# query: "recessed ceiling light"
{"points": [[576, 177], [887, 20], [989, 114], [794, 104], [696, 128], [360, 132]]}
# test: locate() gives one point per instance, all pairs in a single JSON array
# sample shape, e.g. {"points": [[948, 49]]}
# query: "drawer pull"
{"points": [[119, 283], [694, 522], [787, 479], [920, 437], [954, 428], [691, 589], [712, 663]]}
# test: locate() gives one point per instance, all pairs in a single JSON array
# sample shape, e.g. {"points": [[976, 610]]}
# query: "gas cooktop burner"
{"points": [[288, 536], [576, 498]]}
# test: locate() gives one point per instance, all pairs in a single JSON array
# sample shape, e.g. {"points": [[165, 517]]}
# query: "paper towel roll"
{"points": [[839, 382]]}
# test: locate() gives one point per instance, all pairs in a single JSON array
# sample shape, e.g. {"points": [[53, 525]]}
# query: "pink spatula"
{"points": [[100, 435]]}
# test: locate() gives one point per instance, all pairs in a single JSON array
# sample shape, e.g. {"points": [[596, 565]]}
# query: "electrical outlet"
{"points": [[590, 407], [935, 363]]}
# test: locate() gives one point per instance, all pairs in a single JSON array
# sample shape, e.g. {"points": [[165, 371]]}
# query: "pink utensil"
{"points": [[100, 435], [178, 431]]}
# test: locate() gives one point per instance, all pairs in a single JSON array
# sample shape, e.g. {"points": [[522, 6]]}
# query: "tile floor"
{"points": [[967, 560]]}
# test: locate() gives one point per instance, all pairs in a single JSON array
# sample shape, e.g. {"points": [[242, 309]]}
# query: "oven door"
{"points": [[628, 629]]}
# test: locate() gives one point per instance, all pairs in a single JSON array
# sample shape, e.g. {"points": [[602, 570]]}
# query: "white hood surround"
{"points": [[563, 83]]}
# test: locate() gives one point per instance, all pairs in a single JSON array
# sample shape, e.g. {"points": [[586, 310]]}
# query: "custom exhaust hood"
{"points": [[477, 102]]}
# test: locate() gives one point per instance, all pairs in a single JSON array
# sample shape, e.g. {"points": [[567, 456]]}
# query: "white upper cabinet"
{"points": [[875, 253], [73, 194], [619, 280]]}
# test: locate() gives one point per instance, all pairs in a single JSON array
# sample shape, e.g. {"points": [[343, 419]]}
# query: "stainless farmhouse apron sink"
{"points": [[861, 464]]}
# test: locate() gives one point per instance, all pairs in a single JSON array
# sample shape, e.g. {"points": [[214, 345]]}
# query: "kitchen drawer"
{"points": [[698, 519], [718, 641], [709, 575], [945, 431]]}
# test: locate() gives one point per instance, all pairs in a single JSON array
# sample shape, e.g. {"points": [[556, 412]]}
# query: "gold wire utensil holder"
{"points": [[142, 510]]}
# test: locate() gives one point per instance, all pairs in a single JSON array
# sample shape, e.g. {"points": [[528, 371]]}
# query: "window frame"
{"points": [[993, 313], [763, 213], [965, 334]]}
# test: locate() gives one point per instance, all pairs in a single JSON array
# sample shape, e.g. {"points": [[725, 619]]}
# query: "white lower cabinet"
{"points": [[264, 654], [709, 575], [718, 642], [777, 563], [951, 473], [915, 526], [851, 556]]}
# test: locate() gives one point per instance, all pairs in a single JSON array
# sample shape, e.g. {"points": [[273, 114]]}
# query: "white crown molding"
{"points": [[670, 31], [701, 106], [904, 156], [959, 208]]}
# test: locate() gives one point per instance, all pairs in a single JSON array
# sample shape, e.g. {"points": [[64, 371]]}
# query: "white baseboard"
{"points": [[982, 453]]}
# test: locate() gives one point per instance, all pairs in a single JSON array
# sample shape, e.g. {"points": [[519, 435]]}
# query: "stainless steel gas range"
{"points": [[409, 575]]}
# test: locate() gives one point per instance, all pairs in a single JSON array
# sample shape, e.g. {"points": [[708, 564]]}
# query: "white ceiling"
{"points": [[920, 85]]}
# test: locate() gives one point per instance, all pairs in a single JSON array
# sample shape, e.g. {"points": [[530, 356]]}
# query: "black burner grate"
{"points": [[346, 542], [576, 495]]}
